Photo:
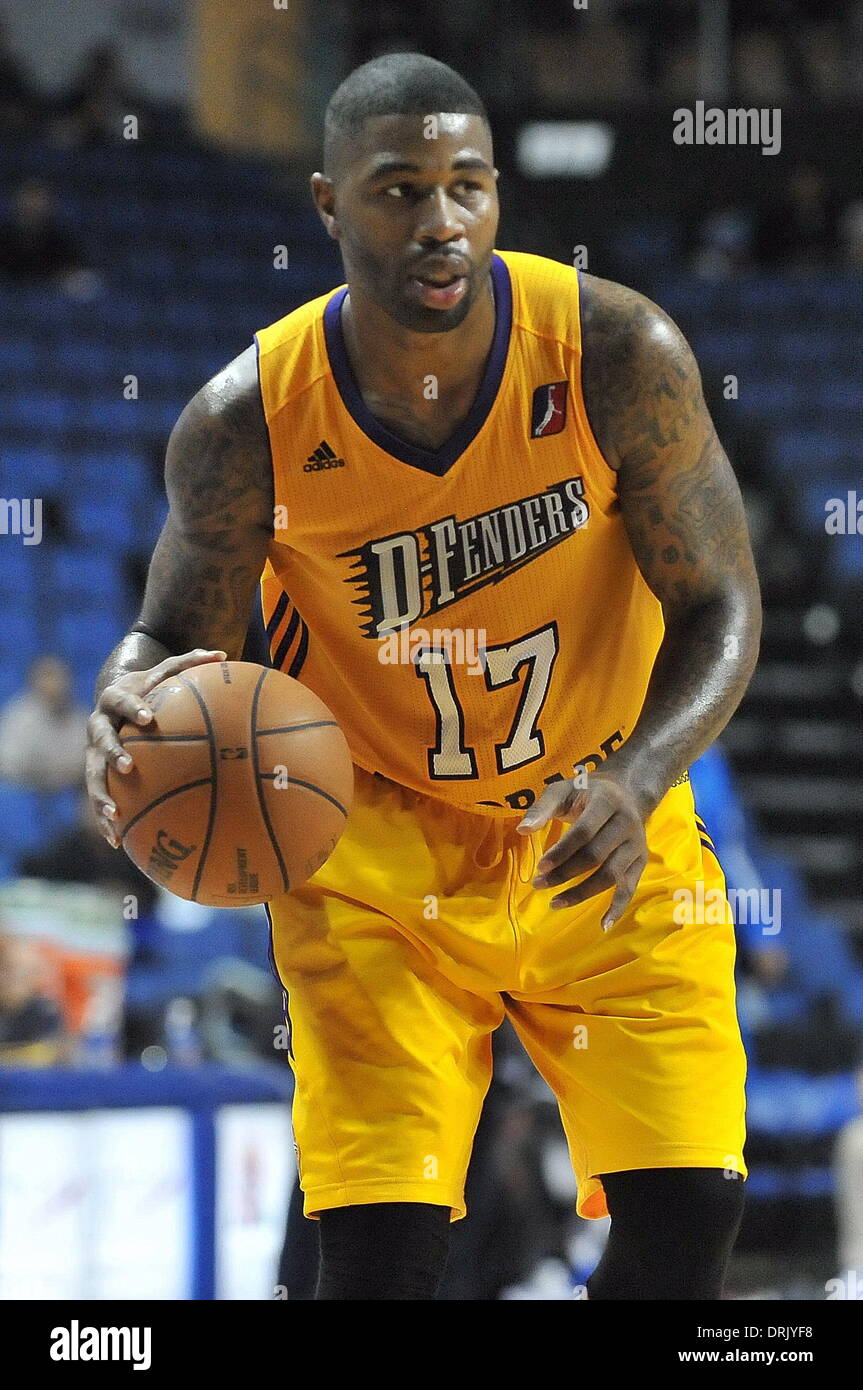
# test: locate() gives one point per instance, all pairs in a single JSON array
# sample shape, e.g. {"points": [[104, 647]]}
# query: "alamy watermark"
{"points": [[713, 906], [849, 1287], [77, 1343], [844, 515], [736, 125], [435, 646], [21, 516]]}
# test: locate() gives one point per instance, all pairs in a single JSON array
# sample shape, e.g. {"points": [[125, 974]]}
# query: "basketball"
{"points": [[240, 785]]}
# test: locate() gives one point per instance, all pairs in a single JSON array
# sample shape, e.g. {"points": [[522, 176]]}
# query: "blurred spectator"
{"points": [[35, 243], [801, 230], [720, 806], [724, 244], [81, 855], [585, 58], [763, 64], [852, 236], [848, 1169], [96, 107], [20, 108], [800, 994], [381, 26], [43, 733], [661, 31], [31, 1024], [239, 1005]]}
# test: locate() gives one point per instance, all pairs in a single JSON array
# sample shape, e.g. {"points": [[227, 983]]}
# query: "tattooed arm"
{"points": [[212, 549], [684, 517], [205, 566]]}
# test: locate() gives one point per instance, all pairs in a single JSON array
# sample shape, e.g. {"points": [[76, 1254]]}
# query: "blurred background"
{"points": [[154, 160]]}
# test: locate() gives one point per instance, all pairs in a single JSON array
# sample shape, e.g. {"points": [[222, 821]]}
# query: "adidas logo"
{"points": [[323, 457]]}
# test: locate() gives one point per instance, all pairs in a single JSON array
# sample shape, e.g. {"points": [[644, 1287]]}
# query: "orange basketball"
{"points": [[240, 786]]}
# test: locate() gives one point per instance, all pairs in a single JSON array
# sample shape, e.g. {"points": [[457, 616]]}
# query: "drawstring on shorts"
{"points": [[533, 860]]}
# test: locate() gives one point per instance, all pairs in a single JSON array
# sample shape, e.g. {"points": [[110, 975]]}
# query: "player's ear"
{"points": [[324, 198]]}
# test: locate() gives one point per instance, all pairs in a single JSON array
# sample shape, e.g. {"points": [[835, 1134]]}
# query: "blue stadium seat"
{"points": [[17, 355], [23, 825], [154, 362], [845, 561], [11, 676], [84, 640], [833, 295], [90, 573], [30, 471], [187, 221], [725, 350], [120, 309], [219, 936], [761, 294], [36, 409], [111, 415], [691, 296], [793, 348], [92, 471], [39, 310], [160, 417], [782, 1184], [841, 394], [189, 169], [87, 357], [812, 450], [184, 956], [823, 952], [787, 1103], [820, 957], [189, 316], [783, 876], [150, 263], [20, 632], [768, 396], [85, 669], [120, 218], [647, 244], [18, 564], [815, 497], [104, 520]]}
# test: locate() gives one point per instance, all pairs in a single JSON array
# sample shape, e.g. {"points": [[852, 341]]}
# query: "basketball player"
{"points": [[485, 447]]}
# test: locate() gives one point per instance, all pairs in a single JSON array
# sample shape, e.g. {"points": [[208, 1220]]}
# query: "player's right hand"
{"points": [[125, 701]]}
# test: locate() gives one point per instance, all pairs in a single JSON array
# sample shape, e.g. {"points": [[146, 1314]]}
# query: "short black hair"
{"points": [[402, 84]]}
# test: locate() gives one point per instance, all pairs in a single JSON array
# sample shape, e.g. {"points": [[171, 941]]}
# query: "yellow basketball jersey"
{"points": [[473, 615]]}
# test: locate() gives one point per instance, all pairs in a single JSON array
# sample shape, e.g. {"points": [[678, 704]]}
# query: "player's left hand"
{"points": [[607, 836]]}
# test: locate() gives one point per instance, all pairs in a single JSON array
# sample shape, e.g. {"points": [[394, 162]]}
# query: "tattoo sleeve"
{"points": [[212, 549], [685, 520]]}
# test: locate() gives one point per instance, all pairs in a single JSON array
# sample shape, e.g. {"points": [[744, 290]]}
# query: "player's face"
{"points": [[415, 213]]}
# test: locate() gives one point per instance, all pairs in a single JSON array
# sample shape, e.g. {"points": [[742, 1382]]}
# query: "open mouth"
{"points": [[438, 282], [439, 291]]}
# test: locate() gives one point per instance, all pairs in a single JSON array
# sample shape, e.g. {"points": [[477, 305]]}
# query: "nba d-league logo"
{"points": [[548, 413]]}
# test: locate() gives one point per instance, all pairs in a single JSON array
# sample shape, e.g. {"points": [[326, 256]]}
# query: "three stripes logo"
{"points": [[323, 457], [548, 412], [704, 836], [287, 637]]}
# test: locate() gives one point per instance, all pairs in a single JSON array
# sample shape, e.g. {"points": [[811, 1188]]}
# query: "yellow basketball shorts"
{"points": [[422, 932]]}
